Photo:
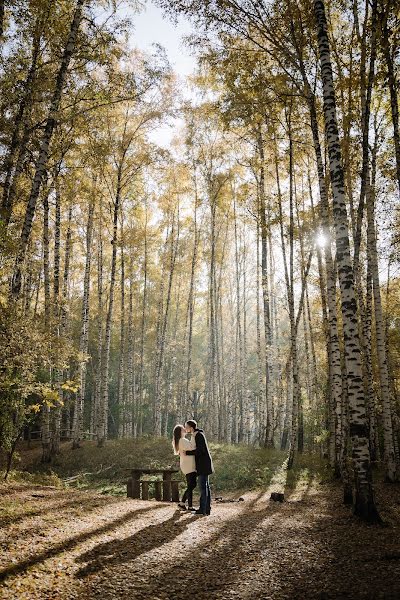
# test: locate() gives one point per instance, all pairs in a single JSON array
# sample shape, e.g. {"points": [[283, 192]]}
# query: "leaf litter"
{"points": [[65, 545]]}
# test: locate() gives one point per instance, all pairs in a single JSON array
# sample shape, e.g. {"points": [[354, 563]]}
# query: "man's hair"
{"points": [[191, 423]]}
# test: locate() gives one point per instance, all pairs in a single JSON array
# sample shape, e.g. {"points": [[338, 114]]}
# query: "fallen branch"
{"points": [[75, 477], [221, 500]]}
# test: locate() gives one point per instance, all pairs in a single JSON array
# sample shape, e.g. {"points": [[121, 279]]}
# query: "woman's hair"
{"points": [[176, 436], [192, 423]]}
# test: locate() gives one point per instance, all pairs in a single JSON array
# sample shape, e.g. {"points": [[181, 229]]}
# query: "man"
{"points": [[204, 466]]}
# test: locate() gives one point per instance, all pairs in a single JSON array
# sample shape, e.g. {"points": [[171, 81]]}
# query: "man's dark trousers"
{"points": [[205, 495]]}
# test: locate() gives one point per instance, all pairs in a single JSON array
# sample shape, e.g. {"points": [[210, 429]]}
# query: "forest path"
{"points": [[67, 544]]}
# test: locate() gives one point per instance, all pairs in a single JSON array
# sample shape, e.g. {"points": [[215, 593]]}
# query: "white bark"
{"points": [[364, 504], [84, 335], [41, 164]]}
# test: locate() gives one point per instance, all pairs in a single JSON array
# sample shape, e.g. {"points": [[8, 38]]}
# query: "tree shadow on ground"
{"points": [[224, 551], [307, 548], [117, 551], [60, 506], [70, 543]]}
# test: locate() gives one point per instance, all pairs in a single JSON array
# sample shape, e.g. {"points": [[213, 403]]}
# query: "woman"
{"points": [[187, 464]]}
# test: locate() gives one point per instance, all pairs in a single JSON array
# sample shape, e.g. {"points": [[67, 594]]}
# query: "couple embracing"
{"points": [[195, 462]]}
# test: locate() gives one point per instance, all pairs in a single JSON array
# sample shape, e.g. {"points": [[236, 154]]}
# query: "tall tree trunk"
{"points": [[334, 353], [57, 244], [245, 350], [164, 322], [293, 328], [41, 164], [100, 310], [24, 109], [260, 423], [212, 305], [84, 335], [131, 410], [269, 430], [137, 428], [122, 408], [46, 263], [46, 436], [102, 430], [370, 392], [364, 503], [2, 12], [392, 84], [390, 460], [58, 374], [366, 95], [191, 299], [239, 370]]}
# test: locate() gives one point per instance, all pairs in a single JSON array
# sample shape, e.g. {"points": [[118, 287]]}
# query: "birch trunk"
{"points": [[366, 95], [289, 276], [364, 503], [21, 116], [57, 244], [191, 300], [163, 328], [84, 335], [367, 333], [261, 423], [142, 333], [98, 389], [41, 164], [122, 409], [56, 437], [131, 410], [46, 414], [390, 460], [269, 429], [102, 430], [239, 343], [334, 353], [392, 85]]}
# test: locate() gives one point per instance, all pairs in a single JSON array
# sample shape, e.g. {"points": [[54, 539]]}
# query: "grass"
{"points": [[237, 467]]}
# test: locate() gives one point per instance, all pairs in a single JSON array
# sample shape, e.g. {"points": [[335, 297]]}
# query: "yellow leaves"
{"points": [[3, 300], [70, 386], [50, 396]]}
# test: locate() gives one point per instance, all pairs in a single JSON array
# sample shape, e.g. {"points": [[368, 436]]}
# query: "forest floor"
{"points": [[65, 544]]}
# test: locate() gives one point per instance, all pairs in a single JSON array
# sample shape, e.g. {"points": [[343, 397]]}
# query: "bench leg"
{"points": [[145, 490], [135, 488], [175, 491], [167, 487], [157, 486]]}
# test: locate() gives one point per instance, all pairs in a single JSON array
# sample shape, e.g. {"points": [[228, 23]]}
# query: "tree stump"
{"points": [[175, 491], [277, 497]]}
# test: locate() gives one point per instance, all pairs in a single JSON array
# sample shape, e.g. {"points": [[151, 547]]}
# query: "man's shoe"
{"points": [[199, 512]]}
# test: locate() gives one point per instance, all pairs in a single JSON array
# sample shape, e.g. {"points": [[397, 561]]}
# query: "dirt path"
{"points": [[67, 544]]}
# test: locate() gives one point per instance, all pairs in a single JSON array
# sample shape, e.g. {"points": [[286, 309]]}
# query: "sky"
{"points": [[152, 27]]}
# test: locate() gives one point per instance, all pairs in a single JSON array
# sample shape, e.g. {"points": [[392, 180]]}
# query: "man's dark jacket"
{"points": [[202, 456]]}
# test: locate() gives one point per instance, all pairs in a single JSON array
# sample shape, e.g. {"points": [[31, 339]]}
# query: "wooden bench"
{"points": [[166, 489]]}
